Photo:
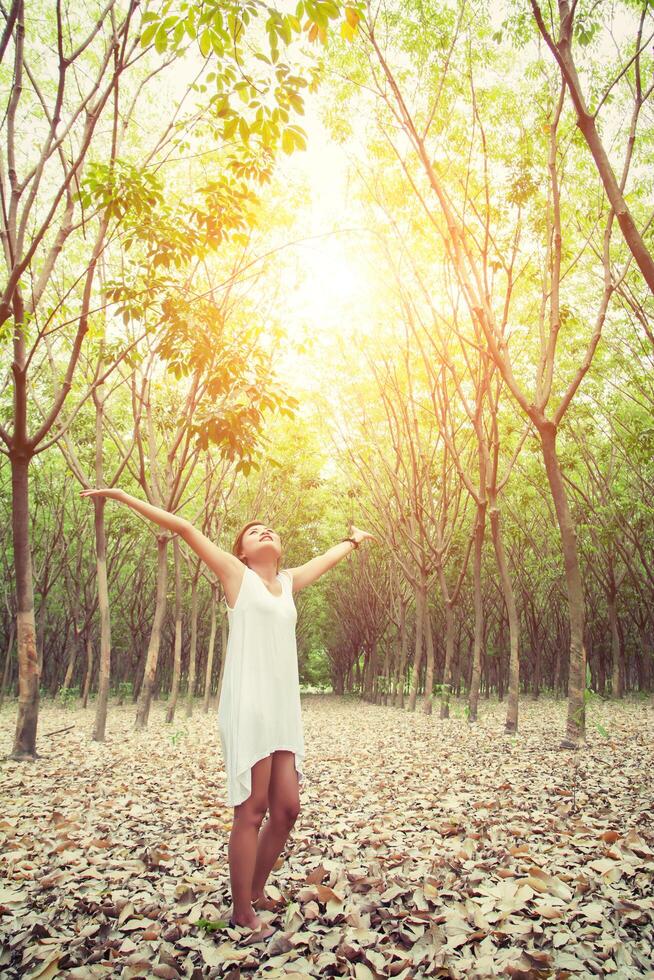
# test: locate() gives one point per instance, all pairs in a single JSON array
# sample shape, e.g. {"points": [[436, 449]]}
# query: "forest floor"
{"points": [[424, 848]]}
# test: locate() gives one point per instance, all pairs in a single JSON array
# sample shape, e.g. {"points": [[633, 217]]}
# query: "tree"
{"points": [[474, 236], [572, 26], [76, 185]]}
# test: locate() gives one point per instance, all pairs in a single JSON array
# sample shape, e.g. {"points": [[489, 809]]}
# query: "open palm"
{"points": [[360, 535]]}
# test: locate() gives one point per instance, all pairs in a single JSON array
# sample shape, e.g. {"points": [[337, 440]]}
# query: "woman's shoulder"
{"points": [[241, 589]]}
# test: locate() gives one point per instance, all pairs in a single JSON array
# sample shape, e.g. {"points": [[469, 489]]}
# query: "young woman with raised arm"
{"points": [[259, 717]]}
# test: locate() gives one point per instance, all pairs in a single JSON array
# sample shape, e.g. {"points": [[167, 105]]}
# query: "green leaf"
{"points": [[205, 43], [287, 141], [148, 34], [161, 40]]}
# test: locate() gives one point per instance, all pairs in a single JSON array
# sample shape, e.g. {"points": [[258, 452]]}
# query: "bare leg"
{"points": [[284, 807], [242, 847]]}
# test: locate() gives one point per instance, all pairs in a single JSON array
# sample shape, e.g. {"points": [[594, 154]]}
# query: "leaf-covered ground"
{"points": [[423, 848]]}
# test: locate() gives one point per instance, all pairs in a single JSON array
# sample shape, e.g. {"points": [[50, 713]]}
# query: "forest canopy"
{"points": [[324, 265]]}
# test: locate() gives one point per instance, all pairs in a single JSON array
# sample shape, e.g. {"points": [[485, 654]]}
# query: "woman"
{"points": [[259, 714]]}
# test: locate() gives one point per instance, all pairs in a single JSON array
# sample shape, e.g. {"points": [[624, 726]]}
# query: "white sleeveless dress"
{"points": [[259, 709]]}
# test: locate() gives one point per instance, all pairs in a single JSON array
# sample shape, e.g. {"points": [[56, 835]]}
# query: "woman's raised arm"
{"points": [[311, 571], [226, 566]]}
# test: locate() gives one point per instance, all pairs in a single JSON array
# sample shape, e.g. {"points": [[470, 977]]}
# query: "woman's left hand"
{"points": [[360, 535]]}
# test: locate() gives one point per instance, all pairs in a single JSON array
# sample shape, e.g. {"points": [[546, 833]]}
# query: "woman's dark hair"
{"points": [[239, 540]]}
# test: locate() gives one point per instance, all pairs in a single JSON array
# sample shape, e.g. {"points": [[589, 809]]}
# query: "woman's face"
{"points": [[260, 542]]}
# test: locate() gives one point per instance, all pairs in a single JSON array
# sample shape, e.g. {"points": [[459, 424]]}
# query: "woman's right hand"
{"points": [[112, 493]]}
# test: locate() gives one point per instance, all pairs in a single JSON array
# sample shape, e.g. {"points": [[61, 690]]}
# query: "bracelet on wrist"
{"points": [[355, 543]]}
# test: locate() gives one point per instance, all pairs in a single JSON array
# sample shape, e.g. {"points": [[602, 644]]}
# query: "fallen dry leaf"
{"points": [[423, 848]]}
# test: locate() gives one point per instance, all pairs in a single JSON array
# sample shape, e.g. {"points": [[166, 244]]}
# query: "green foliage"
{"points": [[125, 690], [120, 187], [177, 735], [315, 670], [211, 925], [590, 697], [68, 695], [253, 105]]}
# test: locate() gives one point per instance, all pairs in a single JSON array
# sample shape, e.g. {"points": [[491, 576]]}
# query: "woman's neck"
{"points": [[265, 570]]}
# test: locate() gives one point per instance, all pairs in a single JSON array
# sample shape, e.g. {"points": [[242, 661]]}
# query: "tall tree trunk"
{"points": [[193, 652], [538, 663], [373, 682], [152, 658], [448, 666], [558, 670], [210, 651], [475, 677], [72, 656], [223, 649], [104, 665], [41, 620], [177, 648], [511, 722], [427, 704], [576, 720], [387, 671], [616, 671], [89, 669], [417, 658], [28, 666], [5, 672], [364, 675], [404, 647], [55, 682]]}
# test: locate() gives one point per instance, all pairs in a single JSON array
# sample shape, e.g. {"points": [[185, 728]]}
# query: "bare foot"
{"points": [[260, 902], [251, 921], [258, 931]]}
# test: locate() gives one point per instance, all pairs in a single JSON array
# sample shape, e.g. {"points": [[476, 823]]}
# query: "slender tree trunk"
{"points": [[538, 662], [427, 704], [365, 674], [386, 675], [558, 670], [616, 667], [475, 677], [177, 649], [152, 658], [104, 665], [28, 666], [576, 721], [624, 666], [223, 650], [210, 651], [374, 672], [41, 620], [417, 658], [55, 658], [511, 723], [89, 670], [72, 656], [404, 647], [5, 673], [448, 666], [193, 652]]}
